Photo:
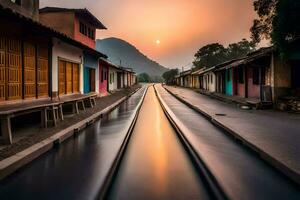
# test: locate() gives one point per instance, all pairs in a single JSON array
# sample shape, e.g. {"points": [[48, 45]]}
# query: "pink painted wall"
{"points": [[253, 90], [241, 90], [82, 38], [103, 85]]}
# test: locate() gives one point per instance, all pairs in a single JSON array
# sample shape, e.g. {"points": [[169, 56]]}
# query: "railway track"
{"points": [[151, 147], [224, 168], [164, 149]]}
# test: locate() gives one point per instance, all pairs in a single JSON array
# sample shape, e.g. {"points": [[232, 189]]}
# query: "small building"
{"points": [[196, 78], [113, 71], [36, 63], [113, 78], [80, 25], [208, 79], [261, 76], [104, 77], [91, 73], [186, 78], [120, 79], [177, 80], [129, 76], [224, 76]]}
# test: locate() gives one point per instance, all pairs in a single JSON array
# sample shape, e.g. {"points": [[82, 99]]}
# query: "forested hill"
{"points": [[117, 49]]}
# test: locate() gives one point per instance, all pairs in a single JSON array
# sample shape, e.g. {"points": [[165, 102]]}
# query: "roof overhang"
{"points": [[50, 32], [80, 12]]}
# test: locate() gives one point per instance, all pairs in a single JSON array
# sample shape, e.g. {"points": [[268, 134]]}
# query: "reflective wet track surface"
{"points": [[241, 173], [154, 165], [77, 168]]}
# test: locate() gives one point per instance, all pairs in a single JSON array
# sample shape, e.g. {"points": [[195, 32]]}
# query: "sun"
{"points": [[157, 42]]}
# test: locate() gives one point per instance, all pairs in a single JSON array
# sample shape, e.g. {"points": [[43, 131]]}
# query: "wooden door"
{"points": [[75, 78], [14, 69], [62, 77], [43, 72], [92, 80], [2, 69], [119, 80], [29, 70], [69, 81]]}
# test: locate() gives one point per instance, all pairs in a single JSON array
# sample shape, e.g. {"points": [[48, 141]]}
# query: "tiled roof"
{"points": [[83, 12]]}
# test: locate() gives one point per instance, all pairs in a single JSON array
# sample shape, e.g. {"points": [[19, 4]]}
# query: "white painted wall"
{"points": [[125, 79], [209, 81], [112, 85], [64, 51]]}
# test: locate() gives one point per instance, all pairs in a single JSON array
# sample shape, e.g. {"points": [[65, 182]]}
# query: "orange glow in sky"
{"points": [[183, 25]]}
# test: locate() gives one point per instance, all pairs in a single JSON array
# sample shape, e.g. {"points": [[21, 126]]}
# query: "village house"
{"points": [[208, 80], [113, 78], [261, 78], [104, 78], [186, 78], [80, 25], [246, 78], [177, 80], [37, 64], [224, 77], [129, 76], [196, 79]]}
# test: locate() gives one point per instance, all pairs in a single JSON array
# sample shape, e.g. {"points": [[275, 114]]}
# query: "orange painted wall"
{"points": [[82, 38]]}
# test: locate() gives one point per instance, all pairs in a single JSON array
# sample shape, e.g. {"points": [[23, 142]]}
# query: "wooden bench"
{"points": [[79, 100], [92, 99], [16, 109]]}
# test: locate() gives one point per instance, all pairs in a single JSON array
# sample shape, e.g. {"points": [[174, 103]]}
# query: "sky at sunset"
{"points": [[169, 31]]}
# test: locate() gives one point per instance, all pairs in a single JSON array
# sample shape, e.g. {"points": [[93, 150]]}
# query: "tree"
{"points": [[170, 75], [213, 54], [240, 49], [278, 21], [156, 79], [144, 78], [210, 55]]}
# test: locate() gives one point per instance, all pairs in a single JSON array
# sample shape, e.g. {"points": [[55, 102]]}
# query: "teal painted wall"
{"points": [[228, 82], [89, 61], [86, 80]]}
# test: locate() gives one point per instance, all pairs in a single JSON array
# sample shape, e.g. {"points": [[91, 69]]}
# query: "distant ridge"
{"points": [[117, 49]]}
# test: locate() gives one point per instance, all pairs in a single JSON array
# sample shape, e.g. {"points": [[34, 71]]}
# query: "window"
{"points": [[241, 75], [87, 31], [82, 28], [255, 76]]}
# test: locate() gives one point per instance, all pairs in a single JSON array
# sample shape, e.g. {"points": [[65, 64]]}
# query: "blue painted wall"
{"points": [[89, 61], [86, 80], [228, 82]]}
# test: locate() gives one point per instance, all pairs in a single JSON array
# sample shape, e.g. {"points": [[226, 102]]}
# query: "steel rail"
{"points": [[116, 164], [215, 188]]}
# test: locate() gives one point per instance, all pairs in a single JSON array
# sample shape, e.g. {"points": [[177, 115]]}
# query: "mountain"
{"points": [[117, 49]]}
